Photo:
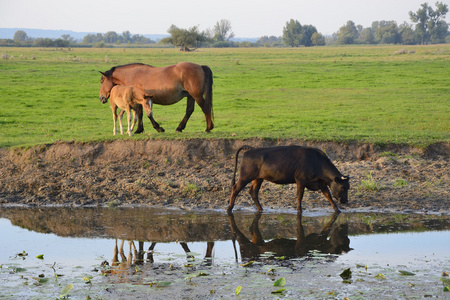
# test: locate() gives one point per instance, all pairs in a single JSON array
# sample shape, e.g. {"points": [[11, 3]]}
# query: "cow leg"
{"points": [[326, 191], [257, 237], [254, 190], [148, 107], [150, 252], [139, 112], [189, 110], [234, 192], [300, 192]]}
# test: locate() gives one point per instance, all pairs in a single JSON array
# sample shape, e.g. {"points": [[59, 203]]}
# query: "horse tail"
{"points": [[245, 147], [208, 105]]}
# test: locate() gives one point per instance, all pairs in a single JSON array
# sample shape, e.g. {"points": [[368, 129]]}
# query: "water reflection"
{"points": [[142, 246], [258, 236], [252, 249]]}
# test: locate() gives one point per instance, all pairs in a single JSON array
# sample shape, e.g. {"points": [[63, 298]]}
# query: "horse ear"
{"points": [[102, 73]]}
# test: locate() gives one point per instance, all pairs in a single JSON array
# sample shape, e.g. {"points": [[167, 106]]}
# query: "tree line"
{"points": [[428, 27]]}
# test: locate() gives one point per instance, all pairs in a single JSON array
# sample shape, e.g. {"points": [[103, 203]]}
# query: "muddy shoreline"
{"points": [[196, 174]]}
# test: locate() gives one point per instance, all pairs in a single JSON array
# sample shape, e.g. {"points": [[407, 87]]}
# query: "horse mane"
{"points": [[110, 72]]}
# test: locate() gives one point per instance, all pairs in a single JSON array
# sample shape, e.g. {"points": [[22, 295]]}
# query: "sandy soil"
{"points": [[196, 174]]}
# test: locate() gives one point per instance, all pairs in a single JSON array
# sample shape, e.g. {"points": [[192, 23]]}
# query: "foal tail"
{"points": [[245, 147], [208, 105]]}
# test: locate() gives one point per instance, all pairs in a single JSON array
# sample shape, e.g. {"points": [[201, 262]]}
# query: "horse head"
{"points": [[106, 86]]}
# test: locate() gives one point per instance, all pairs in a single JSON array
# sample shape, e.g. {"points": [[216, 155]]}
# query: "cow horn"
{"points": [[344, 177]]}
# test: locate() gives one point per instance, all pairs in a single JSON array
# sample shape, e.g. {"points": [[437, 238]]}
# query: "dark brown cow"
{"points": [[307, 167]]}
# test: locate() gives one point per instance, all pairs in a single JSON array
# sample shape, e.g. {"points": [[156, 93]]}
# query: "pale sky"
{"points": [[248, 18]]}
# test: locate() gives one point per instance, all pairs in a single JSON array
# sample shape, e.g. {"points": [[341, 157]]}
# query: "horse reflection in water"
{"points": [[136, 256], [338, 242]]}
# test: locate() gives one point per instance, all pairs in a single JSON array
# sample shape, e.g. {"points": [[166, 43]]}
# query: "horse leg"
{"points": [[120, 120], [148, 107], [135, 109], [139, 112], [208, 116], [189, 110]]}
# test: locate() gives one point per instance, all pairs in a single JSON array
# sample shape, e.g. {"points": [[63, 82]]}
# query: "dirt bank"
{"points": [[196, 173]]}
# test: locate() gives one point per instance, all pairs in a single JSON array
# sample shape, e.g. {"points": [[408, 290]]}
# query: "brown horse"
{"points": [[168, 85]]}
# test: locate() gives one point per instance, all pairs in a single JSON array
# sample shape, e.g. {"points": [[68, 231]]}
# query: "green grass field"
{"points": [[367, 94]]}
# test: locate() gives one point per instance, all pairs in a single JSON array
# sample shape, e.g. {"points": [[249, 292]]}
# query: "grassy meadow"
{"points": [[376, 94]]}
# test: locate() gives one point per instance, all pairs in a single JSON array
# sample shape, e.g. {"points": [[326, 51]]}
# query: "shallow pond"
{"points": [[118, 253]]}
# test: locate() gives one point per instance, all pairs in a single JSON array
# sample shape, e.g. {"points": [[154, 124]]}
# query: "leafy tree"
{"points": [[222, 31], [429, 23], [347, 34], [366, 36], [20, 36], [68, 38], [61, 43], [184, 38], [93, 38], [386, 32], [292, 33], [308, 31], [439, 32], [269, 41], [140, 39], [406, 33], [111, 37], [317, 39], [44, 42]]}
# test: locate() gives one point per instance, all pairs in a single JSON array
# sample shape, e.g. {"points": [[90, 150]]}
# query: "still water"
{"points": [[80, 243]]}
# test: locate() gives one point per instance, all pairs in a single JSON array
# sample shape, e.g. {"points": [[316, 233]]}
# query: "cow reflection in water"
{"points": [[338, 242]]}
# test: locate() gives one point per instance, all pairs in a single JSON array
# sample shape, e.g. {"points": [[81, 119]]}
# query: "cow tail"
{"points": [[245, 147], [208, 91]]}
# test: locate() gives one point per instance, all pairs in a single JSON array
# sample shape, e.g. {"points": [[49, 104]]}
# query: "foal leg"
{"points": [[189, 110], [148, 107], [129, 120], [114, 112], [120, 120]]}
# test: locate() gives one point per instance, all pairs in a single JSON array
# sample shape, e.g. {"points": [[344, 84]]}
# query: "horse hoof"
{"points": [[160, 129], [179, 130]]}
